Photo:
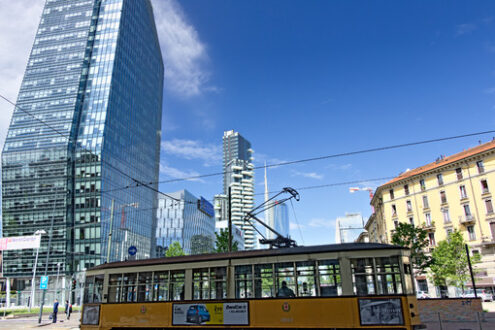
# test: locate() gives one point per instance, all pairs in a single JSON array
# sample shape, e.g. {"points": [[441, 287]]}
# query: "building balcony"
{"points": [[488, 241], [466, 219], [429, 226]]}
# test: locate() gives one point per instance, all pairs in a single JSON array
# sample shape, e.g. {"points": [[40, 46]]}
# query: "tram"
{"points": [[338, 286]]}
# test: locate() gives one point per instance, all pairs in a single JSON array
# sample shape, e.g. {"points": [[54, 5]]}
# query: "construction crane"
{"points": [[279, 241], [369, 189]]}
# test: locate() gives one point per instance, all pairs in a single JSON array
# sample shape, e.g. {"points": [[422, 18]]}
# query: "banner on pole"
{"points": [[20, 242]]}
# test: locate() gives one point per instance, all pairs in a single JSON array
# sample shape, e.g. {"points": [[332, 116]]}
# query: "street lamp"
{"points": [[31, 301]]}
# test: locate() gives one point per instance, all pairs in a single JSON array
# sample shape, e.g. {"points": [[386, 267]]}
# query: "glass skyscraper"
{"points": [[85, 132]]}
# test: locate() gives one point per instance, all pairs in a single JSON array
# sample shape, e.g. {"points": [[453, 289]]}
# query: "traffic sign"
{"points": [[44, 282], [132, 250]]}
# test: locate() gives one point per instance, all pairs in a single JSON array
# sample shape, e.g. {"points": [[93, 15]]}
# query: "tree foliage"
{"points": [[416, 239], [201, 244], [450, 264], [175, 250], [222, 241]]}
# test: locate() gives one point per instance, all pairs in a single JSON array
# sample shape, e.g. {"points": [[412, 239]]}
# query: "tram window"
{"points": [[218, 283], [329, 276], [243, 281], [201, 285], [408, 281], [388, 275], [129, 288], [144, 287], [160, 286], [363, 276], [285, 280], [263, 281], [306, 283], [114, 289], [88, 289], [98, 288], [177, 285]]}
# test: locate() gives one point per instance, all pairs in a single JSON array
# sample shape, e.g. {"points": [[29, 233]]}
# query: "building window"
{"points": [[422, 184], [484, 187], [426, 205], [458, 172], [391, 191], [411, 221], [481, 167], [449, 231], [428, 219], [406, 189], [471, 234], [440, 179], [492, 229], [431, 239], [394, 210], [443, 197], [396, 224], [467, 210], [489, 206], [446, 216], [462, 190], [423, 285], [409, 206]]}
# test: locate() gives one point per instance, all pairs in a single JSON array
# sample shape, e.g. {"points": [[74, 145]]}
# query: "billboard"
{"points": [[206, 207], [383, 311], [229, 313], [20, 242]]}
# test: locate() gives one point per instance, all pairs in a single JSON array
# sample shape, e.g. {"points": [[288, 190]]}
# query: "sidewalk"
{"points": [[31, 322]]}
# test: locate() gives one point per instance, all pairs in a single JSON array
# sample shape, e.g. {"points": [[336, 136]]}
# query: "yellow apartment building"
{"points": [[454, 192]]}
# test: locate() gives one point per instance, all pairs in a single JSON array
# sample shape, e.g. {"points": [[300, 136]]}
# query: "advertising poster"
{"points": [[380, 311], [20, 242], [231, 313], [91, 315]]}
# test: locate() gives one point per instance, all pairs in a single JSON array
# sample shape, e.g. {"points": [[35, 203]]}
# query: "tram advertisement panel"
{"points": [[381, 311], [229, 313]]}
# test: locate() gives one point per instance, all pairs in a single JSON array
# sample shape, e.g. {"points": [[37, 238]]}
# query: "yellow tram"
{"points": [[346, 286]]}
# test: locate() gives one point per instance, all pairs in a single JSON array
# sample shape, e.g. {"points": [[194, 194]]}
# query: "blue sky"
{"points": [[302, 79], [309, 78]]}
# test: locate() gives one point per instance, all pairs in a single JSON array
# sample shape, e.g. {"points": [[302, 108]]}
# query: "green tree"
{"points": [[450, 264], [222, 242], [415, 238], [201, 244], [175, 250]]}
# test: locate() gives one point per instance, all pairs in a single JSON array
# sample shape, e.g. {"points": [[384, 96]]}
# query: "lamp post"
{"points": [[33, 289]]}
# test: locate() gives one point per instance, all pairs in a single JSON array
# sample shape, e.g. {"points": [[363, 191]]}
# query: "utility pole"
{"points": [[471, 271], [230, 219], [111, 230]]}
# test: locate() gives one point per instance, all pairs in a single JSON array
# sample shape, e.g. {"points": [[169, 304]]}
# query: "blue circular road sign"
{"points": [[132, 250]]}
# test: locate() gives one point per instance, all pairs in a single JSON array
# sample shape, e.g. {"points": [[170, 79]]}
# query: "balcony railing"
{"points": [[465, 219]]}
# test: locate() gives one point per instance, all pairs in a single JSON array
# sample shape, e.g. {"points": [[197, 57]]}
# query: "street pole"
{"points": [[47, 259], [33, 283], [230, 219], [56, 281], [471, 271], [111, 230]]}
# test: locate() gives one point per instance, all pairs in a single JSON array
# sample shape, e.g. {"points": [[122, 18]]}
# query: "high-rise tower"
{"points": [[239, 176], [85, 131]]}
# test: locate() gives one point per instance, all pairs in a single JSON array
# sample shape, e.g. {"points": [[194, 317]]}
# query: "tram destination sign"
{"points": [[227, 313]]}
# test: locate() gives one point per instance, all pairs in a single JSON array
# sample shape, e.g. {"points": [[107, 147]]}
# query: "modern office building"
{"points": [[348, 228], [85, 131], [239, 176], [276, 216], [451, 193], [183, 218]]}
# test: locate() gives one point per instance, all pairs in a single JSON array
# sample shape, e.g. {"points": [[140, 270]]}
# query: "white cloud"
{"points": [[321, 223], [310, 175], [295, 226], [175, 173], [191, 149], [18, 22], [466, 28], [184, 54]]}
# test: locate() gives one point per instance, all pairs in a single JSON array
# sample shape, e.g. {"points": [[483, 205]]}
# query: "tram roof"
{"points": [[345, 247]]}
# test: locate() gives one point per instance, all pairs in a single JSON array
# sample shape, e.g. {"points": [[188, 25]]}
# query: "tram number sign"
{"points": [[228, 313]]}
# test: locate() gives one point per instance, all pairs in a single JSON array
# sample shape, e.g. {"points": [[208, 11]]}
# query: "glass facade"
{"points": [[180, 220], [86, 129]]}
